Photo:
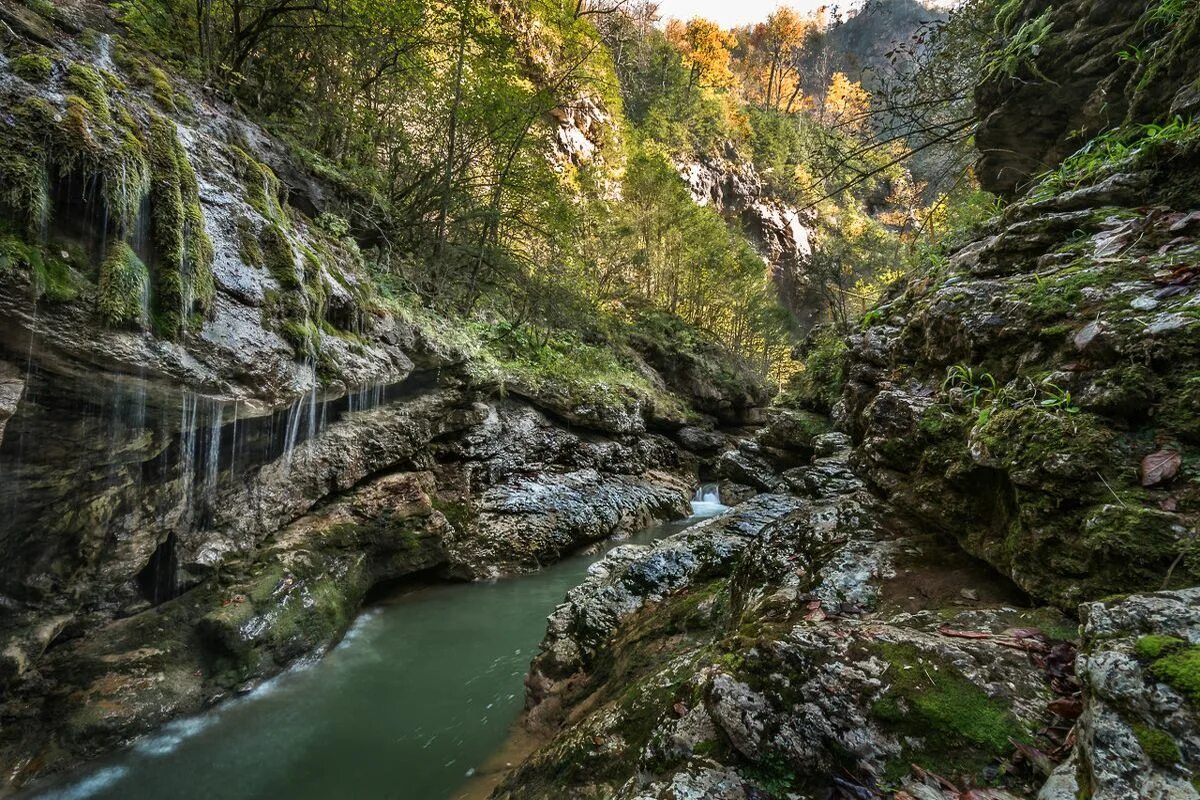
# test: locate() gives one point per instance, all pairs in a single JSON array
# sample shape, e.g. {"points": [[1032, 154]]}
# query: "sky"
{"points": [[741, 12], [733, 12]]}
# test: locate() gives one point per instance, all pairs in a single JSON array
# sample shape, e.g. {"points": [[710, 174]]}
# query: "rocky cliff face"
{"points": [[781, 233], [1078, 68]]}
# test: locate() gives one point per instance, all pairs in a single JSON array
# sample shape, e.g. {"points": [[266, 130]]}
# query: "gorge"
{"points": [[545, 400]]}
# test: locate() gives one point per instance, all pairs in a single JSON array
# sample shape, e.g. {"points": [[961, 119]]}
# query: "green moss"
{"points": [[56, 281], [1181, 670], [278, 256], [962, 730], [1159, 746], [302, 335], [183, 280], [458, 513], [164, 93], [124, 287], [91, 87], [33, 67], [1157, 646], [263, 190]]}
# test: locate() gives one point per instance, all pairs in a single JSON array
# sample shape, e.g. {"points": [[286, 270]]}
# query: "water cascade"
{"points": [[707, 500]]}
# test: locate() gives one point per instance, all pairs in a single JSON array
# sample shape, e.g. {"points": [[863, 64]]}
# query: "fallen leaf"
{"points": [[1025, 633], [1160, 467], [1186, 222], [1069, 707], [816, 615]]}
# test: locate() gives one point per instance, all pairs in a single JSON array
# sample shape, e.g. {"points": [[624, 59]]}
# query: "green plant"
{"points": [[1057, 398], [1021, 50], [975, 386], [1113, 148]]}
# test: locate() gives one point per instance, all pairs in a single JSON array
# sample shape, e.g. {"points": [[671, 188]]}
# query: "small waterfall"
{"points": [[707, 500], [187, 451], [212, 465], [104, 53], [367, 398]]}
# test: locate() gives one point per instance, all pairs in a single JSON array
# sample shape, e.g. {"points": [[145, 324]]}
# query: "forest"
{"points": [[440, 126]]}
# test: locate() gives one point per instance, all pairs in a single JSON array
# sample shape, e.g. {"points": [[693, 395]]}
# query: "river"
{"points": [[422, 692]]}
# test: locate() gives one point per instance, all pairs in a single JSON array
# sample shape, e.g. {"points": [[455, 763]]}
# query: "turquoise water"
{"points": [[422, 691]]}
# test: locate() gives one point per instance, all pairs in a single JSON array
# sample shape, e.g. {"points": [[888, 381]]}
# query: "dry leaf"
{"points": [[1160, 467], [1069, 707], [816, 615]]}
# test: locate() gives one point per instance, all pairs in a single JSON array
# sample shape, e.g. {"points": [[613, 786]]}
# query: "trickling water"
{"points": [[176, 457], [420, 694], [708, 499], [104, 52]]}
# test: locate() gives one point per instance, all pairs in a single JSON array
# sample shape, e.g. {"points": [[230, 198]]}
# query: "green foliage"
{"points": [[33, 67], [1020, 49], [818, 386], [124, 288], [1115, 149], [975, 386], [1057, 398]]}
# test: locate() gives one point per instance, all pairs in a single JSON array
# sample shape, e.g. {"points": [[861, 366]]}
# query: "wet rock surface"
{"points": [[1016, 413], [758, 654]]}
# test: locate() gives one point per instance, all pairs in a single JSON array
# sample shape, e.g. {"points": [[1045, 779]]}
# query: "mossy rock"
{"points": [[1159, 746], [184, 281], [32, 67], [91, 87], [1180, 669], [1047, 449], [959, 728], [124, 288]]}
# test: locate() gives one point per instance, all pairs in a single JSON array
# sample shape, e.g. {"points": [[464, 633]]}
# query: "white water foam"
{"points": [[89, 786], [707, 502]]}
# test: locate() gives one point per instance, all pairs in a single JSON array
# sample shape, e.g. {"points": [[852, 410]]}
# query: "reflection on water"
{"points": [[422, 690]]}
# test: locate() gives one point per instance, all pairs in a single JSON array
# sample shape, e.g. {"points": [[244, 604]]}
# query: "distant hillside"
{"points": [[860, 44]]}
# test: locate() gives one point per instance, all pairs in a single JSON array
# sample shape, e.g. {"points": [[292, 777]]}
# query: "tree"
{"points": [[779, 38], [847, 104], [706, 49]]}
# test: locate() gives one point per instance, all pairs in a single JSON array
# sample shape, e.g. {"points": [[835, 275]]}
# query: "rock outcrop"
{"points": [[1076, 69], [781, 233], [767, 652], [1139, 733], [1037, 397]]}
